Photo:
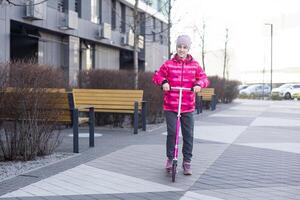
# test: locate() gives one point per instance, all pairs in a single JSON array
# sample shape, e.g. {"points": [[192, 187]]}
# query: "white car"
{"points": [[241, 87], [286, 90], [256, 90]]}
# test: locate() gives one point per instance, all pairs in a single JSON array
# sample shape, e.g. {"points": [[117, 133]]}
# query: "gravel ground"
{"points": [[14, 168]]}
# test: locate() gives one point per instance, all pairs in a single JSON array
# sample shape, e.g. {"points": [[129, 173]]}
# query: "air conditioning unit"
{"points": [[141, 42], [127, 39], [70, 21], [35, 10], [130, 38], [104, 31], [148, 2]]}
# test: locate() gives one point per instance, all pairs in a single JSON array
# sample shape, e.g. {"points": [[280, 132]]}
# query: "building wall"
{"points": [[156, 42], [4, 35], [57, 46]]}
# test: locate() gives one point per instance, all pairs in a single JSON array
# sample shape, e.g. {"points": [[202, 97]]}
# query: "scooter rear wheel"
{"points": [[174, 171]]}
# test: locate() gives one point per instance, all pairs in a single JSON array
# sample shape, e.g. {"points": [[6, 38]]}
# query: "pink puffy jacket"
{"points": [[180, 73]]}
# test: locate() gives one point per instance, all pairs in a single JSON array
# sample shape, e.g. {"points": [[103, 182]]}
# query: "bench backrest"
{"points": [[207, 93], [107, 100], [53, 103]]}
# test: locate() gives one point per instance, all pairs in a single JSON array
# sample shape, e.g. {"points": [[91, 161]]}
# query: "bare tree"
{"points": [[202, 36], [225, 54], [169, 29], [136, 23], [202, 44]]}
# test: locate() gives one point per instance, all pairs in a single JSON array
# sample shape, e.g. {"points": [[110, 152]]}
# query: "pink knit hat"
{"points": [[184, 40]]}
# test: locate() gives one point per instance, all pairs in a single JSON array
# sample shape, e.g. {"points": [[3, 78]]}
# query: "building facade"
{"points": [[83, 34]]}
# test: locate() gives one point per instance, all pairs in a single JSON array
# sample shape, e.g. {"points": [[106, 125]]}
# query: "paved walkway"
{"points": [[245, 150]]}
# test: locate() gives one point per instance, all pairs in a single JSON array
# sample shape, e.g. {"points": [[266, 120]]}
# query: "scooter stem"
{"points": [[179, 104]]}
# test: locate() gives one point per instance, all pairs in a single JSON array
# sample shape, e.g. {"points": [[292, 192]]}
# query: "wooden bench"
{"points": [[113, 101], [61, 102], [206, 95]]}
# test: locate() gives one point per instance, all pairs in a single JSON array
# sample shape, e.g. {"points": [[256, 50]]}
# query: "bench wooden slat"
{"points": [[100, 102], [207, 93], [113, 91], [103, 95], [109, 98], [111, 101], [114, 111], [120, 107]]}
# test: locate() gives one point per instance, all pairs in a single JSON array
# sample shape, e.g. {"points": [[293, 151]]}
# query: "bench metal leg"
{"points": [[197, 104], [75, 132], [136, 117], [200, 104], [92, 126], [213, 102], [144, 114]]}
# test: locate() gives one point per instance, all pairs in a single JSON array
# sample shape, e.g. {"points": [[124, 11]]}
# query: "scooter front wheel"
{"points": [[174, 171]]}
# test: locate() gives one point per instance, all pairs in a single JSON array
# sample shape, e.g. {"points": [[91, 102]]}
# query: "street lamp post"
{"points": [[271, 26]]}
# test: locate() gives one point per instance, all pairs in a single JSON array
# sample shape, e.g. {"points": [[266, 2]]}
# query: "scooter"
{"points": [[175, 158]]}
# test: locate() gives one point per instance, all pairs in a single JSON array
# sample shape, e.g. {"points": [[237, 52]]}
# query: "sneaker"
{"points": [[169, 165], [187, 168]]}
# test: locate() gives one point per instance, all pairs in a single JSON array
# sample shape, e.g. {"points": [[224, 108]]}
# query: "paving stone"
{"points": [[222, 171]]}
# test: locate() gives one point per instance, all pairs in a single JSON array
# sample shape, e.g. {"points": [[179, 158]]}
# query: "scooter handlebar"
{"points": [[181, 88]]}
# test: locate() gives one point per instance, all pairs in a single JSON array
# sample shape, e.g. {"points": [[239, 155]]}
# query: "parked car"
{"points": [[296, 93], [285, 90], [241, 87], [256, 90]]}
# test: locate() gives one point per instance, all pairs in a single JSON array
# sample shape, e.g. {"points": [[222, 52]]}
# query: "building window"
{"points": [[153, 36], [96, 8], [60, 6], [161, 39], [154, 23], [78, 7], [159, 6], [123, 18], [87, 56], [142, 23], [113, 14]]}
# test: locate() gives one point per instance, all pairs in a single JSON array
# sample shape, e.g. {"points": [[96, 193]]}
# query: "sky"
{"points": [[249, 45]]}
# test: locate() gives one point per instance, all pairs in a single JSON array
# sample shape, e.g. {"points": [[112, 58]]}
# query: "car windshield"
{"points": [[296, 86], [284, 86], [253, 86]]}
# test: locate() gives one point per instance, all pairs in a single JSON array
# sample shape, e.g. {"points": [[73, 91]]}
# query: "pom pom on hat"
{"points": [[184, 40]]}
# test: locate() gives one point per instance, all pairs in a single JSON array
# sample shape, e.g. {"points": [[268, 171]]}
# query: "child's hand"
{"points": [[166, 87], [197, 88]]}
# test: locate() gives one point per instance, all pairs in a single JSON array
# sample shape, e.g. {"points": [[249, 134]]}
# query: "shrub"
{"points": [[226, 90], [153, 95], [29, 129], [123, 79], [230, 91]]}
